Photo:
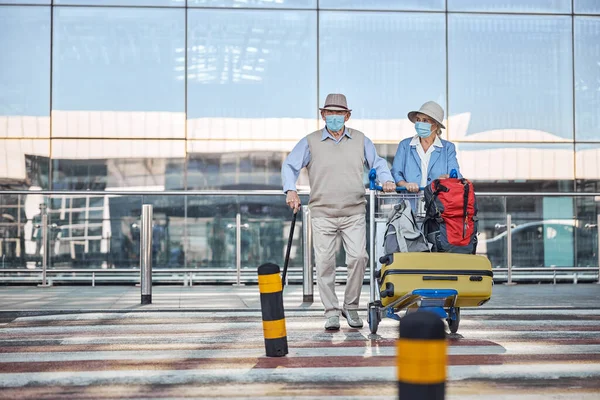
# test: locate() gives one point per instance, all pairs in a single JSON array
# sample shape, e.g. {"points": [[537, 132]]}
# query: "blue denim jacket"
{"points": [[407, 163]]}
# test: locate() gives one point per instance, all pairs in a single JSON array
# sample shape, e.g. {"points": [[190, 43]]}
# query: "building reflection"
{"points": [[103, 231]]}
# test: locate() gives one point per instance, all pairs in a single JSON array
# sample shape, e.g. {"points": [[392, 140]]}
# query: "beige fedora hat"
{"points": [[335, 102], [431, 109]]}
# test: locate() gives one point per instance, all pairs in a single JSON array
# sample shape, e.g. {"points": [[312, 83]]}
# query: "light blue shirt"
{"points": [[407, 162], [300, 157]]}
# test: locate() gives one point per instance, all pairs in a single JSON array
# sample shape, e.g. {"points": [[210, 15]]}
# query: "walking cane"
{"points": [[289, 247]]}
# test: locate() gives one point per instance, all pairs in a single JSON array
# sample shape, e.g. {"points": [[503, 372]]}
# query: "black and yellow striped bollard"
{"points": [[271, 304], [421, 357]]}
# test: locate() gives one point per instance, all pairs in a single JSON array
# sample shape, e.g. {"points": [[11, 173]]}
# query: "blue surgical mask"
{"points": [[335, 122], [423, 129]]}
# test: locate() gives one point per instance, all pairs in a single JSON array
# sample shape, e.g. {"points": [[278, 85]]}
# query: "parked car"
{"points": [[545, 243]]}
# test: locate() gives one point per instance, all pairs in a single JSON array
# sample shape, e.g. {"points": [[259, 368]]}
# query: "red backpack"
{"points": [[451, 216]]}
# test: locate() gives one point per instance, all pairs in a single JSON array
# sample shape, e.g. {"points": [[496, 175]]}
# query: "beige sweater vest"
{"points": [[335, 174]]}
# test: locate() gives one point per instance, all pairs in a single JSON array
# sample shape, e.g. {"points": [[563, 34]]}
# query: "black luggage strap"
{"points": [[465, 205], [438, 187]]}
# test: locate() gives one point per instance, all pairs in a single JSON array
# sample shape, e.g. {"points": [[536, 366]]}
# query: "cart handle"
{"points": [[374, 186]]}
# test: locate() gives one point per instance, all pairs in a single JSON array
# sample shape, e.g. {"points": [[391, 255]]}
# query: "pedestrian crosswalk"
{"points": [[507, 353]]}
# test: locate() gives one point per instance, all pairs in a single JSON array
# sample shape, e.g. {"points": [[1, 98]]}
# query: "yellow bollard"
{"points": [[421, 357], [271, 304]]}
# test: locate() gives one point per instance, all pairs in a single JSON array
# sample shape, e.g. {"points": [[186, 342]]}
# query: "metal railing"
{"points": [[308, 267], [305, 274], [146, 254]]}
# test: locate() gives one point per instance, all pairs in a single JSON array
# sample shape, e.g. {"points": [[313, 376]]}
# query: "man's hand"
{"points": [[293, 200], [445, 176], [412, 187], [389, 186]]}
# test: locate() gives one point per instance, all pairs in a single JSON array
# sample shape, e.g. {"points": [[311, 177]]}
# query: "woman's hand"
{"points": [[412, 187]]}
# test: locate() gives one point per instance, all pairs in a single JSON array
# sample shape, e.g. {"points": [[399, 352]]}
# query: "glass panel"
{"points": [[109, 82], [587, 78], [266, 221], [25, 163], [254, 3], [586, 237], [16, 212], [384, 47], [264, 225], [233, 167], [210, 224], [220, 242], [75, 241], [520, 6], [587, 157], [544, 231], [587, 7], [112, 164], [418, 5], [124, 223], [168, 231], [510, 78], [492, 229], [513, 167], [138, 3], [25, 72], [263, 66], [522, 167]]}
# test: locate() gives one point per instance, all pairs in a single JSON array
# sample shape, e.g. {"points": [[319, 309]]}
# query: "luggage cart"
{"points": [[440, 301]]}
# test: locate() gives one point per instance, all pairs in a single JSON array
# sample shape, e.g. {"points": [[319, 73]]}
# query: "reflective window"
{"points": [[122, 2], [168, 231], [254, 3], [520, 6], [89, 232], [587, 78], [510, 78], [211, 230], [251, 74], [24, 71], [586, 209], [118, 72], [587, 157], [236, 164], [512, 166], [387, 64], [24, 163], [543, 232], [518, 163], [492, 223], [420, 5], [19, 214], [112, 164], [25, 1], [587, 7]]}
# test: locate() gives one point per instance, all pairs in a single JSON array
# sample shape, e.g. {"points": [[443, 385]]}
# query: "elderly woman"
{"points": [[425, 157]]}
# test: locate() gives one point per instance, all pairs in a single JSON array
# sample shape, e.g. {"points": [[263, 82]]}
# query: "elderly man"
{"points": [[335, 157]]}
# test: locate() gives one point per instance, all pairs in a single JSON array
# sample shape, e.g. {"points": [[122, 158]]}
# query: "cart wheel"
{"points": [[453, 324], [373, 318]]}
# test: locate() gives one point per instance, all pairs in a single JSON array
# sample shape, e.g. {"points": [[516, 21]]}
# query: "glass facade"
{"points": [[212, 94], [512, 6]]}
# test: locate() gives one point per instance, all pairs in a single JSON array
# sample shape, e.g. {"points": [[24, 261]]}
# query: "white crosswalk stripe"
{"points": [[139, 349]]}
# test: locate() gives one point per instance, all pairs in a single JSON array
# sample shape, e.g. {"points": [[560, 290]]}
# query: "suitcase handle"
{"points": [[440, 278]]}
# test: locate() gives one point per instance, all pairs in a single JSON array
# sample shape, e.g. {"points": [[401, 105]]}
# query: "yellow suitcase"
{"points": [[470, 275]]}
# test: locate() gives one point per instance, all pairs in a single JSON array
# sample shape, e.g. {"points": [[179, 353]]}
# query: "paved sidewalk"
{"points": [[226, 297]]}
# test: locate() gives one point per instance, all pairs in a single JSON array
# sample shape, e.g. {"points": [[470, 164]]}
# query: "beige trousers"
{"points": [[353, 231]]}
